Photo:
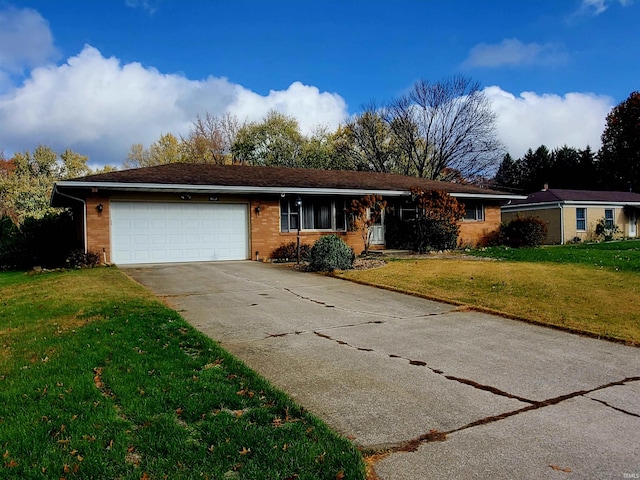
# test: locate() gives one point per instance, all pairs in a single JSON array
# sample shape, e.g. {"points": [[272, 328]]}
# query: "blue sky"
{"points": [[97, 76]]}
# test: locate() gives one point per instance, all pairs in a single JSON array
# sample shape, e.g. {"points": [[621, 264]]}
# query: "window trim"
{"points": [[477, 207], [609, 223], [581, 219], [292, 209]]}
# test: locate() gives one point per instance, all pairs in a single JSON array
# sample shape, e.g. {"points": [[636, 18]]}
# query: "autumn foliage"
{"points": [[365, 212]]}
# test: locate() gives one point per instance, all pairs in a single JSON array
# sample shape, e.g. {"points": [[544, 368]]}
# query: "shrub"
{"points": [[605, 233], [330, 253], [44, 242], [288, 252], [523, 232], [79, 259], [434, 234]]}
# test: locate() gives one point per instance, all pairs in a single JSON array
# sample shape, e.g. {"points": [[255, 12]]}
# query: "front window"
{"points": [[608, 219], [317, 214], [581, 219], [474, 211]]}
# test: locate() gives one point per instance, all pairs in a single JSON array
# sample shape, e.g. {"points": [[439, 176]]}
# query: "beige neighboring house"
{"points": [[574, 214]]}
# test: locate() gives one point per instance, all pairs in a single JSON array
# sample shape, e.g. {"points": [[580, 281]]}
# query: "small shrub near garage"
{"points": [[523, 232], [288, 252], [330, 253]]}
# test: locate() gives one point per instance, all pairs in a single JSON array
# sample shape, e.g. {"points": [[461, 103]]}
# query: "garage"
{"points": [[149, 232]]}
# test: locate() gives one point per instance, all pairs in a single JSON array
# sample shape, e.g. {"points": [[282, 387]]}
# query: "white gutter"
{"points": [[241, 189], [84, 212]]}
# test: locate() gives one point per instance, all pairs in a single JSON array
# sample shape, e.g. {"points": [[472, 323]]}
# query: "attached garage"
{"points": [[149, 232]]}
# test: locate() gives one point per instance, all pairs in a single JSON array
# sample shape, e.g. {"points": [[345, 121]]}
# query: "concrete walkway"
{"points": [[453, 394]]}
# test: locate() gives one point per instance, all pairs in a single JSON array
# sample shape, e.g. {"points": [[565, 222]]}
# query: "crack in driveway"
{"points": [[363, 312], [435, 435]]}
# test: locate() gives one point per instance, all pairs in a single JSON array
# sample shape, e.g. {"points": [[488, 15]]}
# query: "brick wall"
{"points": [[474, 233], [98, 227], [266, 235]]}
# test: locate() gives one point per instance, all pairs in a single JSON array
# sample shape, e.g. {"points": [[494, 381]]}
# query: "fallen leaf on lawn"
{"points": [[178, 411], [145, 476], [66, 468], [245, 450], [6, 454], [11, 464], [560, 469], [80, 458], [73, 452], [211, 448], [340, 475]]}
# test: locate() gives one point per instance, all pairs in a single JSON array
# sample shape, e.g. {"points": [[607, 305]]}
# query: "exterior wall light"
{"points": [[258, 209], [99, 208], [185, 196]]}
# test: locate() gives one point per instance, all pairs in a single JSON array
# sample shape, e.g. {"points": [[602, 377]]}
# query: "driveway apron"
{"points": [[448, 392]]}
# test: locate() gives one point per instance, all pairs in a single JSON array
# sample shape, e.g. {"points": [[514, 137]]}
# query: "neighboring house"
{"points": [[573, 214], [195, 212]]}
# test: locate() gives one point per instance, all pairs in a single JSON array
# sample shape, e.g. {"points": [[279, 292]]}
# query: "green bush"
{"points": [[45, 242], [434, 234], [421, 235], [605, 233], [330, 253], [288, 252], [523, 232]]}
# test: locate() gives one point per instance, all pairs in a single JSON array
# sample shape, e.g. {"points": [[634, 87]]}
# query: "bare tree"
{"points": [[444, 128], [210, 139], [372, 145]]}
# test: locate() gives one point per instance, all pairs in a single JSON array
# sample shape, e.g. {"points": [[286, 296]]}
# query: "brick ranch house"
{"points": [[194, 212]]}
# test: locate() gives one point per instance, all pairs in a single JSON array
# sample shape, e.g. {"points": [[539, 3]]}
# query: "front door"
{"points": [[633, 225], [377, 231]]}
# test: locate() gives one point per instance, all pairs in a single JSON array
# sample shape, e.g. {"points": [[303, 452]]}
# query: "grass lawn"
{"points": [[572, 293], [623, 255], [99, 380]]}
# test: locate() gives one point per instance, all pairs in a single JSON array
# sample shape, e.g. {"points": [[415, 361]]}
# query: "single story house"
{"points": [[201, 212], [573, 214]]}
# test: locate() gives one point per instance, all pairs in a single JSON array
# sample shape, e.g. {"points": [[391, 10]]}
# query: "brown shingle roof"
{"points": [[257, 176], [560, 195]]}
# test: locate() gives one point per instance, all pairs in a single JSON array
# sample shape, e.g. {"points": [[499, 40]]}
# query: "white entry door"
{"points": [[147, 232], [377, 231], [633, 224]]}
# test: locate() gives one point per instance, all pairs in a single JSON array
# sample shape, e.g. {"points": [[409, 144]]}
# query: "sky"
{"points": [[98, 76]]}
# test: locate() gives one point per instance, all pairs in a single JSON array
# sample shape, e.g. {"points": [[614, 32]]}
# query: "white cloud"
{"points": [[530, 119], [100, 107], [512, 52], [596, 7], [25, 40]]}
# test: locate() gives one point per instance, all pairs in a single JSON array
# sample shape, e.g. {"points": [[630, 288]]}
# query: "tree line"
{"points": [[616, 166]]}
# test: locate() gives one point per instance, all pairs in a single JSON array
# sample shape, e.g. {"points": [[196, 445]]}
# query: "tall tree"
{"points": [[446, 125], [27, 179], [210, 139], [619, 156], [164, 150], [276, 141], [372, 145]]}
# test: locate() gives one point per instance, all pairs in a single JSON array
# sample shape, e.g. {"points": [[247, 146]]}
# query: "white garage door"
{"points": [[178, 232]]}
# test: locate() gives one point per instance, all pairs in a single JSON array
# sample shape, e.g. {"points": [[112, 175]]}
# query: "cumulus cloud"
{"points": [[25, 40], [531, 119], [512, 52], [100, 107]]}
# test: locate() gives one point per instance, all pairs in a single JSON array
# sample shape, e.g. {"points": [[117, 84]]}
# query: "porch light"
{"points": [[99, 208], [257, 210]]}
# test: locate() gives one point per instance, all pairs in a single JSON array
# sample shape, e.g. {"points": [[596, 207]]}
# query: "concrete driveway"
{"points": [[393, 371]]}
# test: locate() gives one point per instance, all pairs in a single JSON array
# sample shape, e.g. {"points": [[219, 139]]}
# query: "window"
{"points": [[608, 219], [581, 219], [317, 214], [473, 211]]}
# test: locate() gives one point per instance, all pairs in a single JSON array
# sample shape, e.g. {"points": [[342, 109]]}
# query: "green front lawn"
{"points": [[99, 380], [621, 255]]}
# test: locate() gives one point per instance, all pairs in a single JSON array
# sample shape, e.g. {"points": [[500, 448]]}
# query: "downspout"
{"points": [[84, 212], [561, 223]]}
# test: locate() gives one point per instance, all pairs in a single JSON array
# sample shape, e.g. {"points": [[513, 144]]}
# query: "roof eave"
{"points": [[247, 189]]}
